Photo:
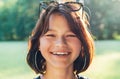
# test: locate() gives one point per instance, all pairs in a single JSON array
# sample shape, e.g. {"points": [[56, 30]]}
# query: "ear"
{"points": [[39, 48], [82, 49]]}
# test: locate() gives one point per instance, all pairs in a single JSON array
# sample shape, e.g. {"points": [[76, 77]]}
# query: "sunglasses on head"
{"points": [[72, 6]]}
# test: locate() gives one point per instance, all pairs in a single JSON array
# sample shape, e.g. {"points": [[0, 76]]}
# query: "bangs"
{"points": [[72, 22]]}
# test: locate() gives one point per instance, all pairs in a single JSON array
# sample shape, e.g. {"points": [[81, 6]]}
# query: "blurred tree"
{"points": [[18, 17], [105, 18]]}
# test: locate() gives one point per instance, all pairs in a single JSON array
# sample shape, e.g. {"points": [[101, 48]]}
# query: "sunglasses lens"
{"points": [[74, 6], [44, 5]]}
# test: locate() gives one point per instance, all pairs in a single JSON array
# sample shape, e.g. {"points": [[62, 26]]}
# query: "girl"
{"points": [[61, 46]]}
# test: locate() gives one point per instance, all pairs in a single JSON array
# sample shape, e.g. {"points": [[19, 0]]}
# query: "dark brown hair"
{"points": [[78, 25]]}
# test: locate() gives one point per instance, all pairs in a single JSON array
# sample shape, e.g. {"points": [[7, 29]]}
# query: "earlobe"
{"points": [[82, 49], [39, 48]]}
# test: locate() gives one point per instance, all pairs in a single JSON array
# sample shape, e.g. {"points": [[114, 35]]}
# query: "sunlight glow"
{"points": [[1, 3]]}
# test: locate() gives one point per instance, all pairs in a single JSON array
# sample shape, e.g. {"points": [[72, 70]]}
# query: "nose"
{"points": [[61, 42]]}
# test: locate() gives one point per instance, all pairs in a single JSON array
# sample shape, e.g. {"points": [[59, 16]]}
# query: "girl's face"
{"points": [[59, 46]]}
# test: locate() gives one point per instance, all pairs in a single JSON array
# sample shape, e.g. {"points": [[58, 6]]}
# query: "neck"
{"points": [[63, 73]]}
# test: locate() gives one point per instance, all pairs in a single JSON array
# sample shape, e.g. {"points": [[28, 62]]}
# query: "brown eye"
{"points": [[50, 35], [72, 35]]}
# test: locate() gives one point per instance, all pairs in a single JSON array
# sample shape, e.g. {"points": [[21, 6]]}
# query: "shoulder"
{"points": [[82, 77]]}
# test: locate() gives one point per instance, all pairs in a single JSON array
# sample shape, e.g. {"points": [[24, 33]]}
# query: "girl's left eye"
{"points": [[71, 35]]}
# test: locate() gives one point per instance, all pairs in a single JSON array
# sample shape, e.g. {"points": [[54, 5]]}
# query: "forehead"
{"points": [[57, 18]]}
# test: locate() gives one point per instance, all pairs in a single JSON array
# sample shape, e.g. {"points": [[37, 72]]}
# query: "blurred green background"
{"points": [[18, 17]]}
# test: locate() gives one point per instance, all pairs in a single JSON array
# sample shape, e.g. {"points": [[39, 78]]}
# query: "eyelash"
{"points": [[71, 35], [52, 35]]}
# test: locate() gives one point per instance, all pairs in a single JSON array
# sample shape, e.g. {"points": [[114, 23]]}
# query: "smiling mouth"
{"points": [[60, 53]]}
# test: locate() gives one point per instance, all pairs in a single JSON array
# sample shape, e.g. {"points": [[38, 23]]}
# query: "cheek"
{"points": [[43, 44], [75, 42], [76, 45], [76, 48]]}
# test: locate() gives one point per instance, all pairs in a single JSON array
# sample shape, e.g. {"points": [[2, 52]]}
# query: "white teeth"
{"points": [[60, 53]]}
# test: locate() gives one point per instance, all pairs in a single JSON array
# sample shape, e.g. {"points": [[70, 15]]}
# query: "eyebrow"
{"points": [[55, 30], [50, 30]]}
